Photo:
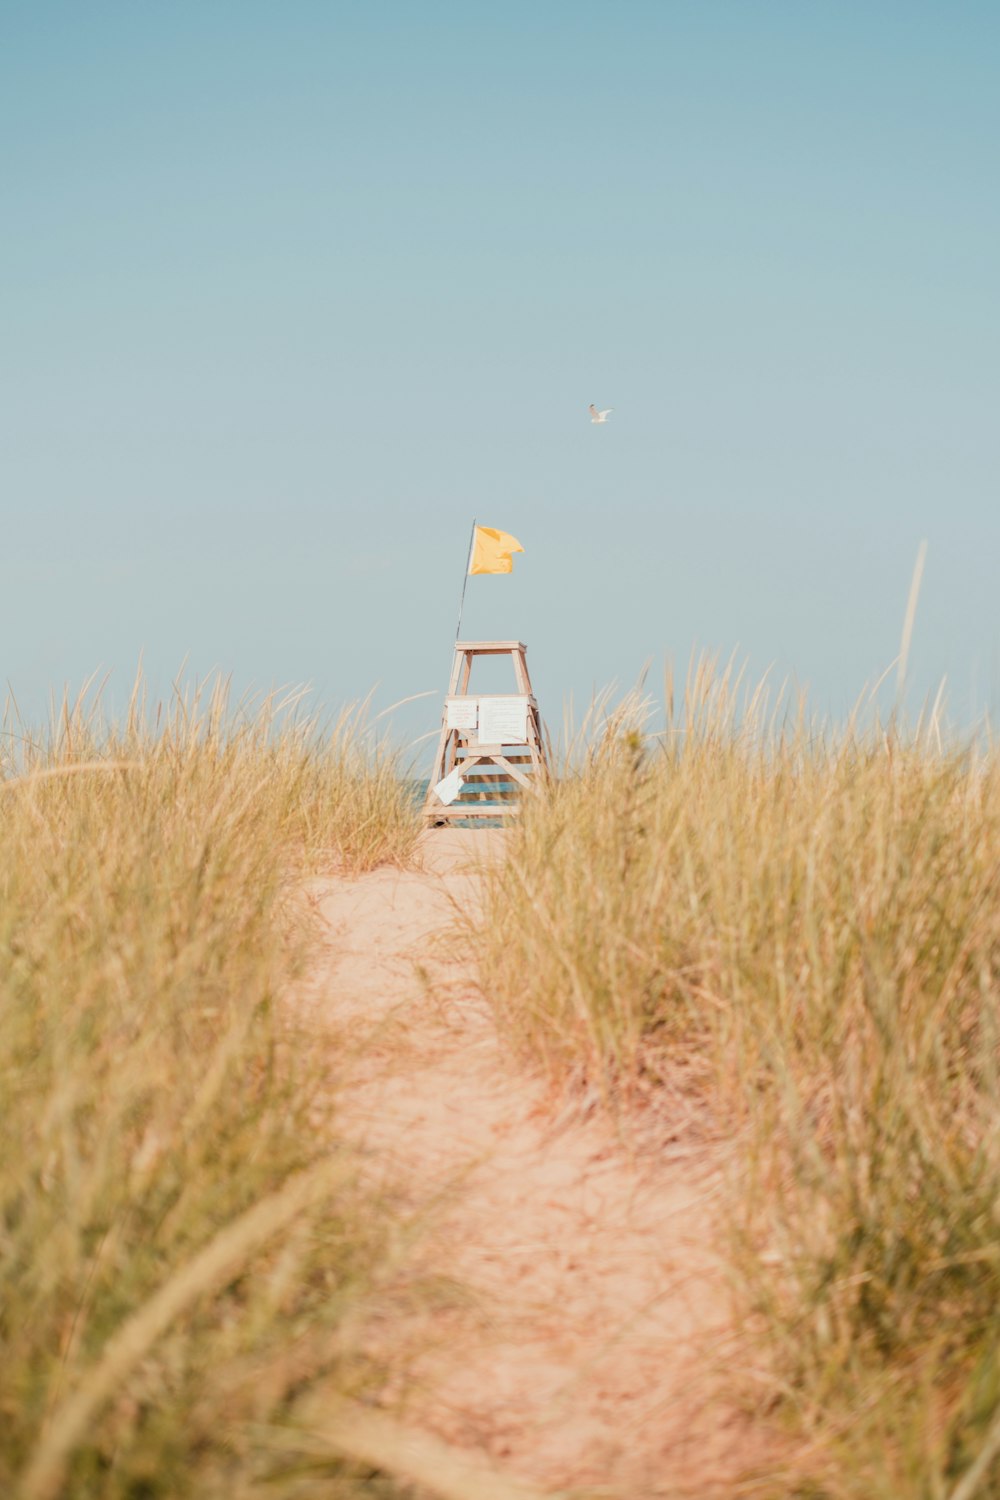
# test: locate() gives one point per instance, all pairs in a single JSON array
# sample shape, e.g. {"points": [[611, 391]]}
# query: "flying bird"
{"points": [[599, 416]]}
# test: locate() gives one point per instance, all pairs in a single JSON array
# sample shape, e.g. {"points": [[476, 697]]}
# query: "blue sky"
{"points": [[291, 292]]}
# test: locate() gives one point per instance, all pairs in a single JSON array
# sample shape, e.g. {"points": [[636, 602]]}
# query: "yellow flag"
{"points": [[492, 551]]}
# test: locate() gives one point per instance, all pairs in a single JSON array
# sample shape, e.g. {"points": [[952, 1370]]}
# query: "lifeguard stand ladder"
{"points": [[490, 745]]}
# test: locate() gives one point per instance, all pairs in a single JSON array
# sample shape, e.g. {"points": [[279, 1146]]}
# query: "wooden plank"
{"points": [[484, 799], [517, 775], [486, 648], [493, 750], [456, 667], [450, 814]]}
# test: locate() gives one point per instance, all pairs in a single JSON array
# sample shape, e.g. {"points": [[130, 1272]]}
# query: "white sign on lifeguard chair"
{"points": [[490, 744]]}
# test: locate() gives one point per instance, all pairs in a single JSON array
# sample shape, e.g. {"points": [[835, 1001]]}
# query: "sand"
{"points": [[592, 1346]]}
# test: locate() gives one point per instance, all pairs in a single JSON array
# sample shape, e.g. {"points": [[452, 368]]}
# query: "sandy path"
{"points": [[587, 1353]]}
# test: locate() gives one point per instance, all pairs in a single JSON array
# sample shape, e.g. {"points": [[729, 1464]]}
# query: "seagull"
{"points": [[599, 416]]}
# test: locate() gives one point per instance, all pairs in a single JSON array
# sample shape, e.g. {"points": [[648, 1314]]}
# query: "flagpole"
{"points": [[465, 579]]}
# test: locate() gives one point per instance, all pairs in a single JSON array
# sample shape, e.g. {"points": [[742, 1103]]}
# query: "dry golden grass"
{"points": [[815, 918], [184, 1250]]}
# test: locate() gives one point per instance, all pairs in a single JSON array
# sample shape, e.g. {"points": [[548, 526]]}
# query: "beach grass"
{"points": [[185, 1250], [806, 923]]}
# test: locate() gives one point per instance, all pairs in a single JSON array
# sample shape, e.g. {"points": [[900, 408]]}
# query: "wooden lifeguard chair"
{"points": [[490, 745]]}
